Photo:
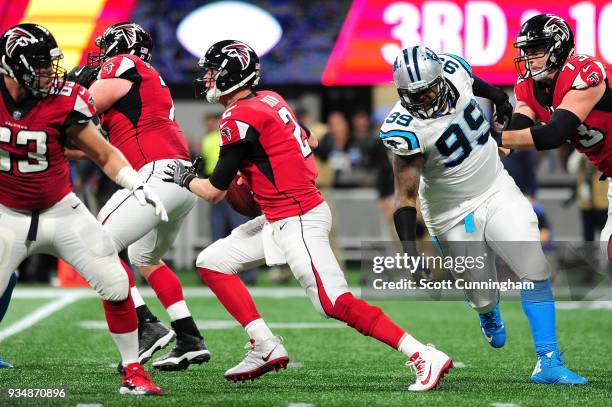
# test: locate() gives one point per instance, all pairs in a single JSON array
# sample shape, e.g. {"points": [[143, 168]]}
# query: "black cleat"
{"points": [[189, 350], [152, 336]]}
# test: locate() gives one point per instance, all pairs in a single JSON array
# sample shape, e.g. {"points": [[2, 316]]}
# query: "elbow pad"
{"points": [[561, 127]]}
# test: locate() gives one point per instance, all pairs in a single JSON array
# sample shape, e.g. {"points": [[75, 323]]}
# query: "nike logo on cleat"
{"points": [[424, 382], [265, 358]]}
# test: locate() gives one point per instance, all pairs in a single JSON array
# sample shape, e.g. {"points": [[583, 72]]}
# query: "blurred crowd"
{"points": [[310, 29]]}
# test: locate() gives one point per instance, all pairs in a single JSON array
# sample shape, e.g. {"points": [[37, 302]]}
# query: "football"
{"points": [[240, 198]]}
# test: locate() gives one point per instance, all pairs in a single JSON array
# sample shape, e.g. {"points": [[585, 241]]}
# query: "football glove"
{"points": [[145, 196], [503, 112], [181, 174], [84, 75]]}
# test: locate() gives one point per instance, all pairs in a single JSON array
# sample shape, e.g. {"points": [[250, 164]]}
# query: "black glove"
{"points": [[181, 174], [503, 112], [84, 75]]}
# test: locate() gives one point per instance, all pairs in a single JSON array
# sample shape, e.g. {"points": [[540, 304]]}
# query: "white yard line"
{"points": [[193, 292], [38, 315], [227, 324]]}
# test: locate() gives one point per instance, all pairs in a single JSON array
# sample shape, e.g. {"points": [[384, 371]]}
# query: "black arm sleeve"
{"points": [[484, 90], [405, 219], [520, 121], [230, 160], [561, 127]]}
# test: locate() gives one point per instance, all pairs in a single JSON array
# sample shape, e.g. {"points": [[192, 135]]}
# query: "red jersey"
{"points": [[279, 165], [594, 136], [141, 124], [34, 173]]}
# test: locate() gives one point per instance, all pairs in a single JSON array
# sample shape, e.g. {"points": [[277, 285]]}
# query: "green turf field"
{"points": [[330, 366]]}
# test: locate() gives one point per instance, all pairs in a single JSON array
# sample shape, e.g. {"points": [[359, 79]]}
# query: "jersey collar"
{"points": [[16, 111]]}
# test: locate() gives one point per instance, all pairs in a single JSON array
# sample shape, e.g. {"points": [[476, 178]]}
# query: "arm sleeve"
{"points": [[484, 90], [230, 160], [561, 127], [519, 121]]}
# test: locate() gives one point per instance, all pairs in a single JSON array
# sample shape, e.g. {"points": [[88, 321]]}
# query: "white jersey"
{"points": [[462, 167]]}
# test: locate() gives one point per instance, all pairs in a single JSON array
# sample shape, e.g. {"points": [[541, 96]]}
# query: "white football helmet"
{"points": [[423, 91]]}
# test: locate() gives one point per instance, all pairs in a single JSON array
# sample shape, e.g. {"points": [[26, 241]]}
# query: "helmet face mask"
{"points": [[122, 38], [226, 67], [420, 83], [544, 42], [29, 54]]}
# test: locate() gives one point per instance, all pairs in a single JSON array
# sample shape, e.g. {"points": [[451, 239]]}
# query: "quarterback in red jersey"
{"points": [[569, 93], [39, 113], [137, 113], [261, 137]]}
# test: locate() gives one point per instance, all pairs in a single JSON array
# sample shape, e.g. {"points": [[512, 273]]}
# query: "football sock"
{"points": [[143, 312], [539, 307], [409, 345], [367, 319], [5, 300], [136, 297], [168, 289], [123, 325], [259, 330], [232, 293]]}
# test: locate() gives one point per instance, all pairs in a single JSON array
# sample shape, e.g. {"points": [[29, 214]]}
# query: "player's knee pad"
{"points": [[214, 258], [356, 313], [109, 279]]}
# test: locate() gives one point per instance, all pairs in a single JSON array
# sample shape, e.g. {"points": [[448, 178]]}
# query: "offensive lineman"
{"points": [[39, 113], [137, 112], [471, 206], [261, 137], [569, 93]]}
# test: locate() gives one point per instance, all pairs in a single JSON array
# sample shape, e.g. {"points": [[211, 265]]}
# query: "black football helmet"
{"points": [[30, 55], [227, 66], [543, 35], [122, 38]]}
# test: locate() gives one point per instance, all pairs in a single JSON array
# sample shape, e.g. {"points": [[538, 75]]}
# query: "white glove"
{"points": [[130, 180], [145, 196]]}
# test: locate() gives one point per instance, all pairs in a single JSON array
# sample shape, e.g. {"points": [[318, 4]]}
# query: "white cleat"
{"points": [[261, 358], [429, 365]]}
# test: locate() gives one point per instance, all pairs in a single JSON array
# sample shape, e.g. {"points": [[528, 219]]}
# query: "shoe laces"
{"points": [[555, 361], [418, 365], [250, 345], [489, 321], [137, 372]]}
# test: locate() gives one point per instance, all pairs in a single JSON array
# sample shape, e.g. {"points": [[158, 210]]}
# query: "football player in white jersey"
{"points": [[443, 154]]}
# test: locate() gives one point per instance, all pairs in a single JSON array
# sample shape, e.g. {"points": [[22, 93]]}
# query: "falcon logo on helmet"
{"points": [[128, 32], [240, 51], [555, 25], [18, 37]]}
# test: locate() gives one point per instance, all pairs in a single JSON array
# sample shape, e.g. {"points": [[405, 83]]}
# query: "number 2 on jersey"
{"points": [[287, 118]]}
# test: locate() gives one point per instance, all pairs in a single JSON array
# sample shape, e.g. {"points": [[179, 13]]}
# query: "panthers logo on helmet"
{"points": [[18, 37], [240, 51]]}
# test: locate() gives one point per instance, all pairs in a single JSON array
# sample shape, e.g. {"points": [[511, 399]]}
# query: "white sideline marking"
{"points": [[584, 305], [300, 405], [38, 315], [193, 292], [504, 405], [295, 365], [459, 365], [227, 324]]}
